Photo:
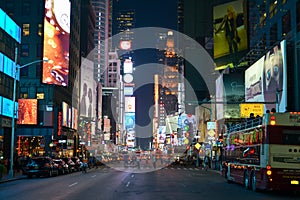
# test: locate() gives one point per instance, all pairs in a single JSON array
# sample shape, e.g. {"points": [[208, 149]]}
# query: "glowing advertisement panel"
{"points": [[220, 97], [74, 118], [56, 42], [87, 89], [65, 109], [129, 120], [230, 28], [2, 19], [127, 66], [253, 82], [266, 80], [9, 26], [7, 107], [129, 104], [27, 111], [234, 93]]}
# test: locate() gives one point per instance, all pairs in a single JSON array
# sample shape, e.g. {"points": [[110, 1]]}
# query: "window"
{"points": [[26, 30], [39, 50], [40, 95], [24, 71], [24, 95], [24, 50], [40, 29], [286, 23], [273, 34], [26, 8], [38, 69]]}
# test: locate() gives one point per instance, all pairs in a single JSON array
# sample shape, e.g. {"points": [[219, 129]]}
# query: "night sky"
{"points": [[154, 13]]}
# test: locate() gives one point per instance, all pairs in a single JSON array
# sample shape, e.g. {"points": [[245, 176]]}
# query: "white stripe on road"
{"points": [[93, 176], [73, 184], [128, 183]]}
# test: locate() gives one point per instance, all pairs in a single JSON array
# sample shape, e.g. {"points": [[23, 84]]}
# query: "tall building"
{"points": [[10, 38], [103, 31], [57, 96], [271, 22]]}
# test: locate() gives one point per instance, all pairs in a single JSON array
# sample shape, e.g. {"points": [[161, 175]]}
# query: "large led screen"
{"points": [[56, 42], [234, 93], [129, 120], [266, 81], [27, 111], [230, 28]]}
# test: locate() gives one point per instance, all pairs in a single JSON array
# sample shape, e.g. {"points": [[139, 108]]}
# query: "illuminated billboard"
{"points": [[266, 80], [27, 111], [56, 42], [129, 120], [248, 108], [129, 104], [87, 89], [234, 89], [220, 97], [230, 28], [125, 45], [127, 66]]}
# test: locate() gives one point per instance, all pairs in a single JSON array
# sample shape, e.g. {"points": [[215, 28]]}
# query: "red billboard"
{"points": [[27, 111], [56, 42]]}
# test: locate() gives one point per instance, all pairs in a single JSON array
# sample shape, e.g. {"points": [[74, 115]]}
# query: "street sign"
{"points": [[211, 125]]}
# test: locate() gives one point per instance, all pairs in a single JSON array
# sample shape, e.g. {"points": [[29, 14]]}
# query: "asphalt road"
{"points": [[110, 184]]}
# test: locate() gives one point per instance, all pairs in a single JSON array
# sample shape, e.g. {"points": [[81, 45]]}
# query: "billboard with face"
{"points": [[87, 90], [266, 81], [56, 42]]}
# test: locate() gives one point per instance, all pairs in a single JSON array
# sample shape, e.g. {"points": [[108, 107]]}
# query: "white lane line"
{"points": [[93, 176], [132, 175], [73, 184], [128, 183]]}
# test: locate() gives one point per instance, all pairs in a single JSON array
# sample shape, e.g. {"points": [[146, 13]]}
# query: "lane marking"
{"points": [[128, 183], [93, 176], [73, 184]]}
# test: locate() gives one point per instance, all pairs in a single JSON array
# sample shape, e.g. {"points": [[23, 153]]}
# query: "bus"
{"points": [[264, 153]]}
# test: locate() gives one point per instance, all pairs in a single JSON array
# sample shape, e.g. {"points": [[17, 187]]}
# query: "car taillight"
{"points": [[269, 171]]}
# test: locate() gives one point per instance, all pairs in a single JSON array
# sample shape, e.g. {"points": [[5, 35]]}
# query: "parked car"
{"points": [[63, 167], [77, 162], [41, 166], [70, 163]]}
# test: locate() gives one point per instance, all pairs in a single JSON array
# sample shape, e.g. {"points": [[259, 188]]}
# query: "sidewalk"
{"points": [[17, 176]]}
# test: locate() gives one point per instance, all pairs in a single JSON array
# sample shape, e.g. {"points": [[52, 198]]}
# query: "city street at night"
{"points": [[107, 183]]}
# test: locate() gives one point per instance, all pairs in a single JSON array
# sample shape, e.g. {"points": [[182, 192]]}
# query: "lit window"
{"points": [[40, 29], [40, 95], [26, 30]]}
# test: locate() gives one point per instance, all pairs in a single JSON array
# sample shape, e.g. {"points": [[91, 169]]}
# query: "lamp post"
{"points": [[11, 170]]}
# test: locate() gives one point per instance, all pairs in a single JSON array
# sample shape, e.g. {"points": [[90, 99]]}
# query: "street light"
{"points": [[11, 170]]}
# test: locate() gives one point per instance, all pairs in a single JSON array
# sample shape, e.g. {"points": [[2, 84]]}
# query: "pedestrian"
{"points": [[154, 161], [206, 163], [138, 159]]}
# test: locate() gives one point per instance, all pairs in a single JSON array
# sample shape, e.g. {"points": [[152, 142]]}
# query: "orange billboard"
{"points": [[56, 42], [27, 111]]}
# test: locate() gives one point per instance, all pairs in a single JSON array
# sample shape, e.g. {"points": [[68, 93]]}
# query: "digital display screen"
{"points": [[27, 111], [266, 79], [230, 32], [56, 42]]}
